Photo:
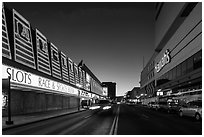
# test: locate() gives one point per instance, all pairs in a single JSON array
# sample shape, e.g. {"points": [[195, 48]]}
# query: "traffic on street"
{"points": [[120, 119]]}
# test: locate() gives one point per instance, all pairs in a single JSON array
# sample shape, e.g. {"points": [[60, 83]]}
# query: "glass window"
{"points": [[167, 75], [174, 73], [197, 60], [170, 74], [178, 70], [190, 64], [183, 67]]}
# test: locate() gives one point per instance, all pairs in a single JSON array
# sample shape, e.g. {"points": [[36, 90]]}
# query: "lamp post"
{"points": [[6, 86]]}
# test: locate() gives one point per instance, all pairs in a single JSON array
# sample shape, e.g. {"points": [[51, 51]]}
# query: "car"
{"points": [[85, 104], [153, 105], [192, 109], [102, 104], [170, 105]]}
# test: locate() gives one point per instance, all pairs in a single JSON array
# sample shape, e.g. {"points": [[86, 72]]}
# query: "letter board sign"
{"points": [[43, 61], [5, 40], [65, 73], [23, 46]]}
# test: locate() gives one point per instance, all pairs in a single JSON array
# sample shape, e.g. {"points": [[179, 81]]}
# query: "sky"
{"points": [[111, 38]]}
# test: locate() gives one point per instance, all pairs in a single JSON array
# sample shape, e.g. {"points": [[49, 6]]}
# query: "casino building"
{"points": [[176, 64], [42, 77]]}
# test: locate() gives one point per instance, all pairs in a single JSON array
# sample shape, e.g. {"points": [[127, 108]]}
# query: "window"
{"points": [[190, 64], [197, 60], [183, 67], [170, 74], [174, 73], [167, 75], [178, 70]]}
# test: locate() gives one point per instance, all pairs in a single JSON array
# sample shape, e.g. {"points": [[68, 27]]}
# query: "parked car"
{"points": [[192, 109], [153, 105], [85, 103], [171, 105]]}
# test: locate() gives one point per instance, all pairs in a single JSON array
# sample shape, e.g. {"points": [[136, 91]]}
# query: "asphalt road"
{"points": [[120, 119], [137, 120]]}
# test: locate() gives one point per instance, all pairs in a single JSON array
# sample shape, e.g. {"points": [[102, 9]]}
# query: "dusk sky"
{"points": [[111, 38]]}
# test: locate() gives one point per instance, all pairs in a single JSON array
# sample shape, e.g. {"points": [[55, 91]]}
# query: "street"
{"points": [[121, 119]]}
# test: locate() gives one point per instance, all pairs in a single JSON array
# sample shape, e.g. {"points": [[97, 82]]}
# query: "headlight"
{"points": [[94, 107], [106, 107]]}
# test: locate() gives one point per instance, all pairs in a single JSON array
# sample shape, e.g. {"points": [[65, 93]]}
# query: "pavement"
{"points": [[20, 120]]}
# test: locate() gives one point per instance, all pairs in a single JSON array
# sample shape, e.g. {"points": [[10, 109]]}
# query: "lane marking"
{"points": [[88, 116], [114, 126]]}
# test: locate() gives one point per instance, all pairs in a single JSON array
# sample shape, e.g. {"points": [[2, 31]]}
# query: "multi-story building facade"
{"points": [[42, 78], [178, 48]]}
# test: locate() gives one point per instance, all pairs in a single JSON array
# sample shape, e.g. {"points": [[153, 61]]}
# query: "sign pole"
{"points": [[79, 100], [9, 122]]}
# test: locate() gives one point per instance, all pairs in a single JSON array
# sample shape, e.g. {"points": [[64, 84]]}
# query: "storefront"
{"points": [[34, 93], [180, 70], [42, 78]]}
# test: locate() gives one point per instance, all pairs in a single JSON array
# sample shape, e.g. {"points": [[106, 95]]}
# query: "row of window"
{"points": [[192, 63]]}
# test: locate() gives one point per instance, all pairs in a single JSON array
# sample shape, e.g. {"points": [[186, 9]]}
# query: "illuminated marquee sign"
{"points": [[85, 94], [5, 41], [43, 61], [56, 71], [29, 80], [165, 60], [23, 46], [71, 71], [65, 73]]}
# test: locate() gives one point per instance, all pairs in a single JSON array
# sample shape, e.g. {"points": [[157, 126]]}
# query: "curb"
{"points": [[35, 121]]}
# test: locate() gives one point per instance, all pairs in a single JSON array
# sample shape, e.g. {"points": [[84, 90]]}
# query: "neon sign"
{"points": [[165, 60], [27, 79]]}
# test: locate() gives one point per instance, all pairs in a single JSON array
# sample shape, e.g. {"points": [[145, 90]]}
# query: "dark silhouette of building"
{"points": [[111, 86]]}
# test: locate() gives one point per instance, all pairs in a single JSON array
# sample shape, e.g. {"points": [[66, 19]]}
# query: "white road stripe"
{"points": [[114, 126], [88, 116]]}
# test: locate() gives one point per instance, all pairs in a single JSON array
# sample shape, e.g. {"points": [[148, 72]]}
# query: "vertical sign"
{"points": [[5, 41], [43, 62], [76, 75], [84, 79], [80, 77], [56, 71], [88, 82], [65, 73], [23, 47], [71, 71]]}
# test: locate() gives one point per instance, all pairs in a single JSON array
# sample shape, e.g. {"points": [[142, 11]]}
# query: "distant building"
{"points": [[133, 93], [119, 98], [111, 88]]}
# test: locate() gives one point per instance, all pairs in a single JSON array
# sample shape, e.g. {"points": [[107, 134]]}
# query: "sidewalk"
{"points": [[31, 118]]}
